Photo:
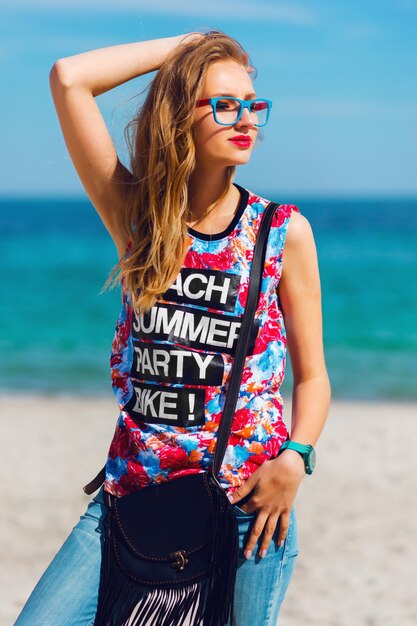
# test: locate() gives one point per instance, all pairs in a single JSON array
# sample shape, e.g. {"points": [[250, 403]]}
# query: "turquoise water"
{"points": [[56, 329]]}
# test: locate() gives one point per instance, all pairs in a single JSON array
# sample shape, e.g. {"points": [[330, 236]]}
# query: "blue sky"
{"points": [[342, 77]]}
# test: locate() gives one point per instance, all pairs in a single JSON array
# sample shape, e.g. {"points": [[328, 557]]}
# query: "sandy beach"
{"points": [[356, 513]]}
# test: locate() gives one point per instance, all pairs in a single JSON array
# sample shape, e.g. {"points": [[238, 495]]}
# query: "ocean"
{"points": [[57, 329]]}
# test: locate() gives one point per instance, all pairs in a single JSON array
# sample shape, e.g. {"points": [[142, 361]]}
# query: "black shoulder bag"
{"points": [[170, 550]]}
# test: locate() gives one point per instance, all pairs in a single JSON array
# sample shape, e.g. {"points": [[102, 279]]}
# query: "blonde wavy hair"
{"points": [[162, 157]]}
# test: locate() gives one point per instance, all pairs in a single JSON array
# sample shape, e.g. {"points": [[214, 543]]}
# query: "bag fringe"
{"points": [[220, 600]]}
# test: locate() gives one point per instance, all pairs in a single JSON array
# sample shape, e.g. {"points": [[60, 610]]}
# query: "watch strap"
{"points": [[294, 445]]}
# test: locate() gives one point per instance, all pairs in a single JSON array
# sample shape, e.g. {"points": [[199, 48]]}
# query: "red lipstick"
{"points": [[243, 141]]}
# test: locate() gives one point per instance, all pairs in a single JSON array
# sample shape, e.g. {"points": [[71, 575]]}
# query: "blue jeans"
{"points": [[67, 592]]}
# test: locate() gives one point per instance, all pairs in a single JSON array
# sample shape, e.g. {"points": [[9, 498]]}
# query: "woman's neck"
{"points": [[223, 211]]}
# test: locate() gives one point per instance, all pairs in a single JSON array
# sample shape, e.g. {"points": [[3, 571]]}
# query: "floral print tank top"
{"points": [[170, 367]]}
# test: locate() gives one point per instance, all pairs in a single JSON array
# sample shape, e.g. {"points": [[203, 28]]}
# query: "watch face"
{"points": [[312, 458]]}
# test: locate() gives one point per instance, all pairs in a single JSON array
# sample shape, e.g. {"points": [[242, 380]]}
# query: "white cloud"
{"points": [[218, 10]]}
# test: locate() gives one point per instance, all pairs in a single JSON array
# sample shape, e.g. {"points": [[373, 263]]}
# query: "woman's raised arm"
{"points": [[74, 82]]}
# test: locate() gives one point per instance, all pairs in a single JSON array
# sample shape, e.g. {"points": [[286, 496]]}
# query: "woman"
{"points": [[184, 233]]}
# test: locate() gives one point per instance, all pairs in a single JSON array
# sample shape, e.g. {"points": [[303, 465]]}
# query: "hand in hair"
{"points": [[191, 37], [195, 35]]}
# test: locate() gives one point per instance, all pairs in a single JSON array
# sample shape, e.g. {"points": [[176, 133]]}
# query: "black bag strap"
{"points": [[232, 394], [242, 346]]}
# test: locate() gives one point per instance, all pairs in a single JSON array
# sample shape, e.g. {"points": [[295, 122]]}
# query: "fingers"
{"points": [[243, 490], [257, 528], [191, 36], [266, 525], [283, 528]]}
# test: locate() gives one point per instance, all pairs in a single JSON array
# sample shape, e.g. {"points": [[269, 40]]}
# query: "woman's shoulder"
{"points": [[293, 226], [299, 233]]}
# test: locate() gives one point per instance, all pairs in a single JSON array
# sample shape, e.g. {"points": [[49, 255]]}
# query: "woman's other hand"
{"points": [[274, 485]]}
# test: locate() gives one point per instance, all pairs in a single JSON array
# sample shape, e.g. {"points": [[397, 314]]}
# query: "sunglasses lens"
{"points": [[227, 111]]}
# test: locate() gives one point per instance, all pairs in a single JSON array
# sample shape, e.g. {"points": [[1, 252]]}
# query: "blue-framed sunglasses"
{"points": [[227, 110]]}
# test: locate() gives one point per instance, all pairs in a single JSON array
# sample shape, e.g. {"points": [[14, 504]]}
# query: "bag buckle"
{"points": [[180, 559]]}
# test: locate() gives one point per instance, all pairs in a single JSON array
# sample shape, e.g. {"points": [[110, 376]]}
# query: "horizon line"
{"points": [[404, 195]]}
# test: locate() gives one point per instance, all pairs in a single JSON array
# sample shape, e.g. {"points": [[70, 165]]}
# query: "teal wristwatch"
{"points": [[306, 450]]}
